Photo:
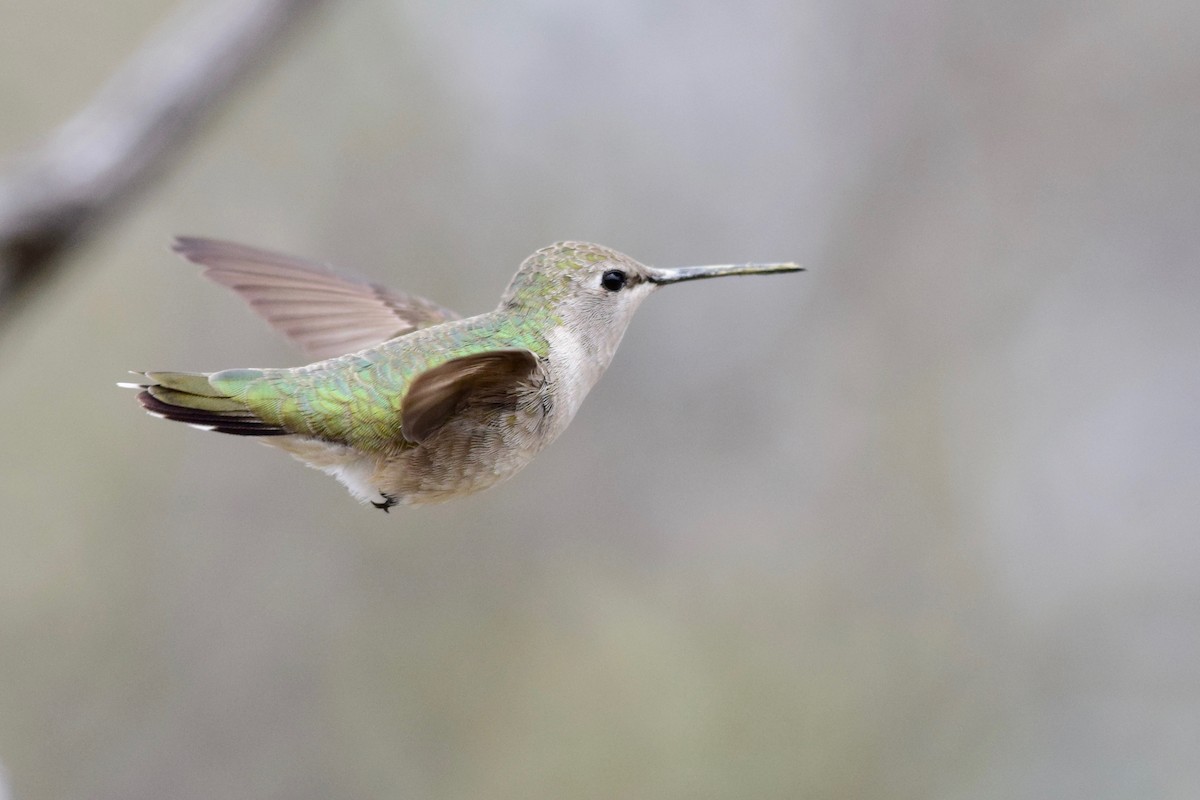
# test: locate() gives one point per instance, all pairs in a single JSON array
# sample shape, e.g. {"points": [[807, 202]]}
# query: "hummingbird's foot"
{"points": [[388, 502]]}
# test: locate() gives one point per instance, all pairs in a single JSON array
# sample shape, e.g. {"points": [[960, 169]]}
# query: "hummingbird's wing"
{"points": [[493, 378], [326, 314]]}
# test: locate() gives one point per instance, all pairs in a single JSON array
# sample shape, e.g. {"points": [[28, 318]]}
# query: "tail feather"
{"points": [[189, 398], [196, 402], [190, 382]]}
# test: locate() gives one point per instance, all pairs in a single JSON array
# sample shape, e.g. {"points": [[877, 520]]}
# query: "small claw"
{"points": [[388, 502]]}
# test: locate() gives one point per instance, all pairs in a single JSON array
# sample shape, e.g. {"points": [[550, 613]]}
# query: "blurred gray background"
{"points": [[921, 522]]}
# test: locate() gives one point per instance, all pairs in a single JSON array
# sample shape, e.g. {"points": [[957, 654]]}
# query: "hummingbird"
{"points": [[406, 401]]}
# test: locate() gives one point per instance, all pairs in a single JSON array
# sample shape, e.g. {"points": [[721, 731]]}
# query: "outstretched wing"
{"points": [[326, 314]]}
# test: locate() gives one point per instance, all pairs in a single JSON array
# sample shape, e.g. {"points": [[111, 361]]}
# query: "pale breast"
{"points": [[477, 449]]}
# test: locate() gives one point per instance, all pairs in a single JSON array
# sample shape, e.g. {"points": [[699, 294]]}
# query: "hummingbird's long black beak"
{"points": [[661, 276]]}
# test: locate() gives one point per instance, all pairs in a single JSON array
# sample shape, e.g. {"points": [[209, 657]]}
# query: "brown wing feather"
{"points": [[490, 377], [326, 314]]}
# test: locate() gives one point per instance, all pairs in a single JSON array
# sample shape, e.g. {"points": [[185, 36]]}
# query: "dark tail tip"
{"points": [[238, 423]]}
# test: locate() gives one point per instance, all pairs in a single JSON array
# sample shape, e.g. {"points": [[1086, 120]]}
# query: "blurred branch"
{"points": [[52, 196]]}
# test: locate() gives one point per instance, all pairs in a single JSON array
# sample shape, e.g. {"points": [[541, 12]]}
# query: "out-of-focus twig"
{"points": [[54, 194]]}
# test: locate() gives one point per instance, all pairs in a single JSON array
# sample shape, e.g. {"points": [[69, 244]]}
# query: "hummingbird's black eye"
{"points": [[613, 280]]}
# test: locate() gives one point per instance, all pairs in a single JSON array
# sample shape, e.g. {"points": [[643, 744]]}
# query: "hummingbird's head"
{"points": [[592, 291], [589, 289]]}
